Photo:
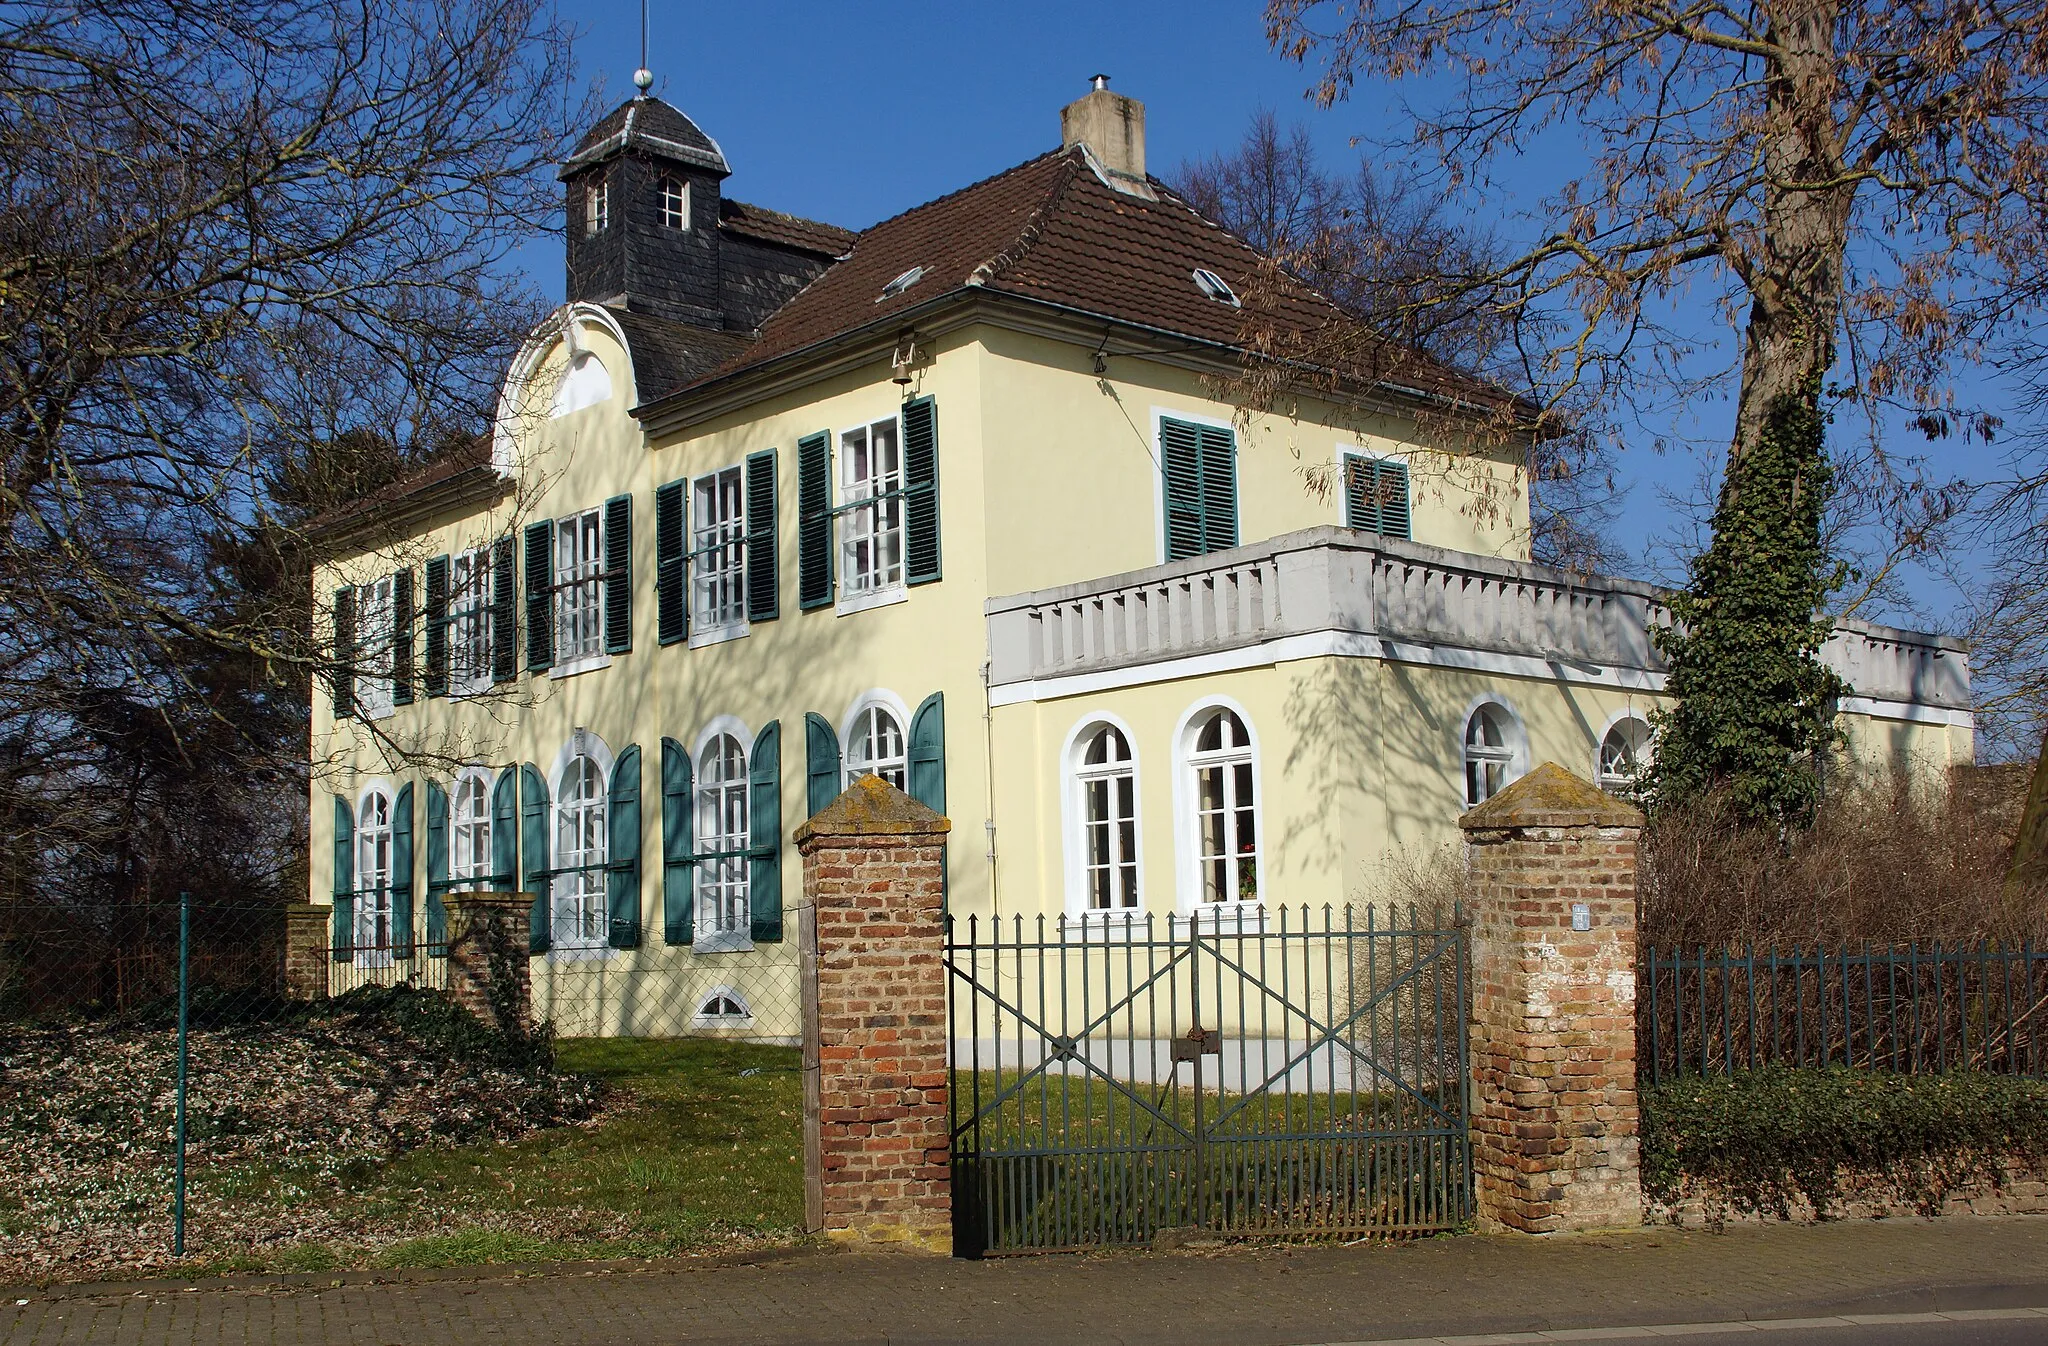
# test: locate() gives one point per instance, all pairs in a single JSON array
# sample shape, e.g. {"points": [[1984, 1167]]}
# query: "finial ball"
{"points": [[643, 79]]}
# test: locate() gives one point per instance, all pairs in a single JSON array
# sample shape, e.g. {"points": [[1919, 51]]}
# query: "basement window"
{"points": [[901, 283], [1216, 288], [724, 1008]]}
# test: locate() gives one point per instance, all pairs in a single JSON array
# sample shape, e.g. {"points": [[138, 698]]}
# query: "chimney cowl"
{"points": [[1111, 128]]}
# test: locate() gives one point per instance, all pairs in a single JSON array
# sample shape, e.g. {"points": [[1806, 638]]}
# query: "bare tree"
{"points": [[231, 237]]}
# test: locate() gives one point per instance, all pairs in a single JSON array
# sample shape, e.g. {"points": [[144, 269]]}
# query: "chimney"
{"points": [[1112, 129]]}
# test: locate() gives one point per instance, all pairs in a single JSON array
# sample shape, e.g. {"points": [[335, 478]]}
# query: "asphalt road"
{"points": [[1990, 1327]]}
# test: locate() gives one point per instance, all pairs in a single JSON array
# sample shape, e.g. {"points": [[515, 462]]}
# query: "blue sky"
{"points": [[853, 112]]}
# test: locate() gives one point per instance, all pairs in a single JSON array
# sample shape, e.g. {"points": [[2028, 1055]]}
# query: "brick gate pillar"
{"points": [[489, 973], [306, 954], [872, 929], [1552, 864]]}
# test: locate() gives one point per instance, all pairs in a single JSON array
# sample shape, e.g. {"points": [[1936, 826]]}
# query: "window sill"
{"points": [[1224, 918], [1105, 927], [717, 635], [730, 943], [877, 598], [469, 691], [589, 663], [726, 1022], [581, 953]]}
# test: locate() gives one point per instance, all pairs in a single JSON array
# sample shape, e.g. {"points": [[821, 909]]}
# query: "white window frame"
{"points": [[467, 875], [1645, 746], [1231, 913], [579, 593], [597, 207], [370, 900], [704, 1018], [867, 504], [376, 623], [710, 938], [1513, 755], [582, 745], [874, 699], [675, 204], [469, 622], [727, 536], [1076, 775]]}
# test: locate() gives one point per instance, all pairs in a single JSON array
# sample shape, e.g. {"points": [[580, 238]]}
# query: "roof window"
{"points": [[901, 283], [1216, 288]]}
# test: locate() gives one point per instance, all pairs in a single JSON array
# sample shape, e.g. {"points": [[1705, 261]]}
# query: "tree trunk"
{"points": [[2029, 869]]}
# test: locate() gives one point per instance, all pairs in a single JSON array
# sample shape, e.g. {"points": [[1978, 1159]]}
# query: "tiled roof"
{"points": [[469, 456], [669, 354], [791, 231], [653, 124], [1051, 230]]}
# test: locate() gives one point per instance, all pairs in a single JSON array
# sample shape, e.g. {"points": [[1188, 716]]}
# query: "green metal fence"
{"points": [[1252, 1074], [1911, 1009]]}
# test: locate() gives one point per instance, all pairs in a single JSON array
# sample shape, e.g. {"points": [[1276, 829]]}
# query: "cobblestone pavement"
{"points": [[1253, 1297]]}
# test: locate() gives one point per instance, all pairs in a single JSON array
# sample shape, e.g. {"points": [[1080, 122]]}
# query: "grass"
{"points": [[700, 1150]]}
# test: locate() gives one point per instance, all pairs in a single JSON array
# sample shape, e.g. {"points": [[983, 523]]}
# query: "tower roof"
{"points": [[649, 124]]}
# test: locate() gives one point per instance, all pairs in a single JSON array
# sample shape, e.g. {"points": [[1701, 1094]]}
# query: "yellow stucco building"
{"points": [[959, 500]]}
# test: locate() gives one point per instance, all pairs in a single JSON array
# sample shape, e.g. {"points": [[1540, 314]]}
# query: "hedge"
{"points": [[1755, 1140]]}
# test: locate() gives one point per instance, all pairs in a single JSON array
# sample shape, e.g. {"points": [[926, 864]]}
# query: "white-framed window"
{"points": [[597, 208], [1222, 779], [724, 920], [579, 588], [871, 518], [469, 622], [718, 555], [875, 746], [373, 908], [725, 1007], [1494, 750], [469, 831], [1106, 809], [582, 846], [675, 203], [1624, 756], [374, 617]]}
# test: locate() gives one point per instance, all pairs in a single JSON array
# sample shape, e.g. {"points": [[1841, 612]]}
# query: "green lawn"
{"points": [[701, 1149]]}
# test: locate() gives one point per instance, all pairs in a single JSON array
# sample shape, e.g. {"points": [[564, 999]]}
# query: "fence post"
{"points": [[184, 1061], [877, 1142], [489, 969], [1552, 863]]}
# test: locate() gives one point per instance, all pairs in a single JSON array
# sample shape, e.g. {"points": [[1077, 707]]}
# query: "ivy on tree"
{"points": [[1753, 705]]}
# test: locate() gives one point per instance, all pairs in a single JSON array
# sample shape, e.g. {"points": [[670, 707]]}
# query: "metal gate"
{"points": [[1258, 1074]]}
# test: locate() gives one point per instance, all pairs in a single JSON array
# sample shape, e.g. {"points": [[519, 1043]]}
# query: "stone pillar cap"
{"points": [[1550, 796], [871, 807]]}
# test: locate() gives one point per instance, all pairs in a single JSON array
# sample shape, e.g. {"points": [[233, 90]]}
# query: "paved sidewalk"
{"points": [[1261, 1297]]}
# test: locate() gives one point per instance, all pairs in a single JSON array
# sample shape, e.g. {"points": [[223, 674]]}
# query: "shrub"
{"points": [[1757, 1140]]}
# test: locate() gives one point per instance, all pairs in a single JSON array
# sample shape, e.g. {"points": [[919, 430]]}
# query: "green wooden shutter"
{"points": [[622, 868], [814, 521], [401, 637], [764, 588], [1180, 462], [437, 626], [921, 491], [533, 846], [1395, 517], [344, 680], [928, 753], [671, 571], [344, 932], [437, 870], [821, 762], [505, 831], [540, 593], [504, 612], [678, 869], [764, 834], [1219, 488], [401, 873], [1376, 495], [618, 574]]}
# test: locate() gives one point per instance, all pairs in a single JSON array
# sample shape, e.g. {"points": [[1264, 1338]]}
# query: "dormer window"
{"points": [[597, 208], [1216, 288], [675, 203], [901, 283]]}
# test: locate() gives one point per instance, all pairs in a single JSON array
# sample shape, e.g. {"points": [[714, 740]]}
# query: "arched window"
{"points": [[876, 748], [723, 919], [1493, 739], [675, 203], [1226, 809], [1105, 779], [469, 831], [724, 1008], [582, 834], [373, 878], [1624, 757]]}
